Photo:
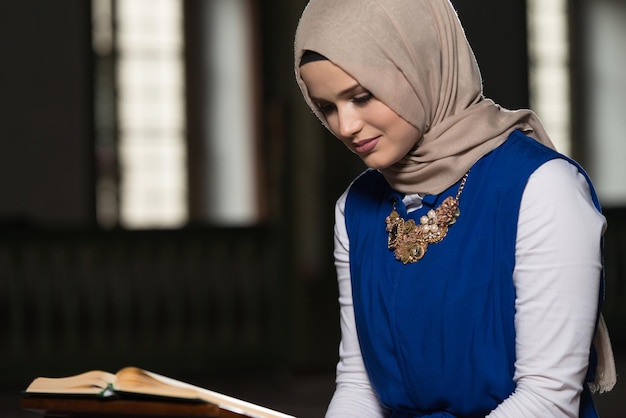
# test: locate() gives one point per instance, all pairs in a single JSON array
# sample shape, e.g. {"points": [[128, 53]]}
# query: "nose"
{"points": [[350, 122]]}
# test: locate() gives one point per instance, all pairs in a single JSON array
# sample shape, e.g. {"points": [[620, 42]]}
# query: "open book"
{"points": [[132, 380]]}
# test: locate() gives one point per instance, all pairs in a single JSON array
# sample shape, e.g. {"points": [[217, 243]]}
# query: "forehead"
{"points": [[325, 80]]}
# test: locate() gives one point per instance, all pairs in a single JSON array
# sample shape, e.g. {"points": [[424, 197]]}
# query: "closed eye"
{"points": [[359, 99], [363, 97], [326, 108]]}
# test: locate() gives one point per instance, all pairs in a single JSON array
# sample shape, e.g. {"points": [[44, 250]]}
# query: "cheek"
{"points": [[331, 123], [407, 134], [390, 121], [400, 127]]}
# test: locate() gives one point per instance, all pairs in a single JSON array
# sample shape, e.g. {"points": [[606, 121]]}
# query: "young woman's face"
{"points": [[363, 123]]}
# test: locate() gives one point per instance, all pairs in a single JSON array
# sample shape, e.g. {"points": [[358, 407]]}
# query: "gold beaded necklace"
{"points": [[410, 241]]}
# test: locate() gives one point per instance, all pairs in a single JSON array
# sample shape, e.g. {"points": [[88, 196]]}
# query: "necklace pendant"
{"points": [[409, 241], [395, 229], [411, 251]]}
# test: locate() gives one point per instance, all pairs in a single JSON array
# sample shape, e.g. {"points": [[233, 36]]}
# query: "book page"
{"points": [[93, 382], [134, 379]]}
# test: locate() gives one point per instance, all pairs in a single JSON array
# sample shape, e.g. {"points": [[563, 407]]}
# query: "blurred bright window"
{"points": [[549, 72], [151, 113], [141, 123], [606, 92]]}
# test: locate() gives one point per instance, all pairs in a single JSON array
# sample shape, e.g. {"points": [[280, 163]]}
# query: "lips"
{"points": [[366, 145]]}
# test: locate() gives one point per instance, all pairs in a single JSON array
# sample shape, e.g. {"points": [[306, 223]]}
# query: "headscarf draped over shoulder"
{"points": [[413, 56]]}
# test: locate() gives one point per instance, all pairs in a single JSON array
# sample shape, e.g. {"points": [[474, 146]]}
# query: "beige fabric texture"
{"points": [[413, 56]]}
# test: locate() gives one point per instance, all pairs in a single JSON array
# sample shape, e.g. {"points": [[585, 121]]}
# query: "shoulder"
{"points": [[520, 152], [367, 188], [368, 179], [557, 174], [508, 168], [359, 189], [560, 183]]}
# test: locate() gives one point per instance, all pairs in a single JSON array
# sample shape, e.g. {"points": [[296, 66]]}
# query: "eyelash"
{"points": [[359, 99], [363, 98], [324, 109]]}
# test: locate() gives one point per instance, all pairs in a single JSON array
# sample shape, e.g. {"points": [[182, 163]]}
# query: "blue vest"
{"points": [[438, 336]]}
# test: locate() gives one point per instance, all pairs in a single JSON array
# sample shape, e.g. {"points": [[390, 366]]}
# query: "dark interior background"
{"points": [[204, 302]]}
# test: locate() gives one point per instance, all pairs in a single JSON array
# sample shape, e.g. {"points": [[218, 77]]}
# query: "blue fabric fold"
{"points": [[436, 336], [409, 414]]}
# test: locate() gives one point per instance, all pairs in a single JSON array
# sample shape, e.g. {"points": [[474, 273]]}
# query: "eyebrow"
{"points": [[342, 93]]}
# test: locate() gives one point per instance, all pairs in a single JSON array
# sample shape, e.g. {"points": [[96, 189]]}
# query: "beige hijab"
{"points": [[414, 57]]}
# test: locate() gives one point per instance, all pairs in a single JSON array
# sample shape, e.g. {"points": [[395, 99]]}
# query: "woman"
{"points": [[469, 254]]}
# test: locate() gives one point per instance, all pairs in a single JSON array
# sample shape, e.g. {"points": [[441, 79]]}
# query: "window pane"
{"points": [[150, 86]]}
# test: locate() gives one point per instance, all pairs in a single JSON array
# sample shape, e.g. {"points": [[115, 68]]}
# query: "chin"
{"points": [[376, 164]]}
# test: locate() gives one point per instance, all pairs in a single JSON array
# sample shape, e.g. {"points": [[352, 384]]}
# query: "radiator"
{"points": [[173, 299]]}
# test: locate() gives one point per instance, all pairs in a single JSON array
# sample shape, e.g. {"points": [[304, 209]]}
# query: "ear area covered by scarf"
{"points": [[413, 56]]}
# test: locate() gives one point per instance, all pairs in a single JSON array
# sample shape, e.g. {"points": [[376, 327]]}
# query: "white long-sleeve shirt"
{"points": [[558, 240]]}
